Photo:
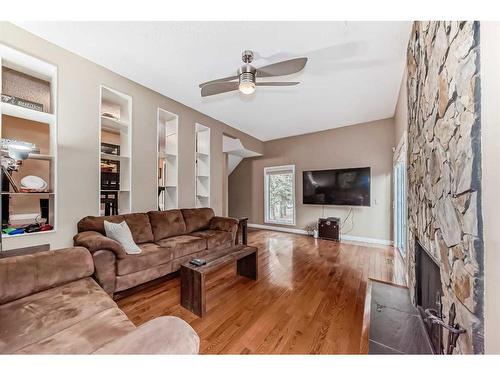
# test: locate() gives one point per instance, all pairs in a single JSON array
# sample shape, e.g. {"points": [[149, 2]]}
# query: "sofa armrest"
{"points": [[226, 224], [96, 241], [105, 270], [23, 275], [163, 335]]}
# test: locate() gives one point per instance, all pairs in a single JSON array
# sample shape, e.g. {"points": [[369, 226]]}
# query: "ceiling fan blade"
{"points": [[277, 83], [218, 88], [282, 68], [218, 80]]}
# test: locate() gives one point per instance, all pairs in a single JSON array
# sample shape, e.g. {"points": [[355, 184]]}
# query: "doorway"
{"points": [[399, 199]]}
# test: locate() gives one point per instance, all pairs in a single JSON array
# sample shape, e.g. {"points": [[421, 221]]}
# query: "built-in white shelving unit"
{"points": [[115, 119], [29, 79], [202, 168], [168, 160]]}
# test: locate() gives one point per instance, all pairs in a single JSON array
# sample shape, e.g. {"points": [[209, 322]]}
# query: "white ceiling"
{"points": [[353, 74]]}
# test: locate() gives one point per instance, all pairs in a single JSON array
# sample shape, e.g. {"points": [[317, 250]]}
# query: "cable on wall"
{"points": [[351, 215]]}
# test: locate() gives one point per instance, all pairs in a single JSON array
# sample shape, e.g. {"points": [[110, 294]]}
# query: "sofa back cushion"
{"points": [[167, 224], [197, 218], [138, 223], [23, 275]]}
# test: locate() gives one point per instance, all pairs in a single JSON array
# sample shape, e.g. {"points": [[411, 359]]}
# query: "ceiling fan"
{"points": [[246, 78]]}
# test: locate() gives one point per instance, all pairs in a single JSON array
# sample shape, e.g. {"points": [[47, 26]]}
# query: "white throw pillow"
{"points": [[121, 233]]}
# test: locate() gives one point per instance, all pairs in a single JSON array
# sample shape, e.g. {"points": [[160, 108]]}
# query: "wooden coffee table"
{"points": [[193, 296]]}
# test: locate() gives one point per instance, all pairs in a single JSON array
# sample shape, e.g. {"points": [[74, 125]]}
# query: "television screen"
{"points": [[344, 187]]}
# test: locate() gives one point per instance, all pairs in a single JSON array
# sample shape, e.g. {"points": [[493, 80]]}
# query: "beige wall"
{"points": [[78, 164], [401, 113], [363, 145], [490, 140]]}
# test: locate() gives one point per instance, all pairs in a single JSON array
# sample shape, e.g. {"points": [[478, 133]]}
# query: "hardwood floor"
{"points": [[309, 298]]}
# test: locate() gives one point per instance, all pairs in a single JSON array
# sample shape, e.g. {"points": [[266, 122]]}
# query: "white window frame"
{"points": [[280, 168]]}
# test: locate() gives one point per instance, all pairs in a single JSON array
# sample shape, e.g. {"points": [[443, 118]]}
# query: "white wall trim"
{"points": [[277, 229], [343, 236], [377, 241]]}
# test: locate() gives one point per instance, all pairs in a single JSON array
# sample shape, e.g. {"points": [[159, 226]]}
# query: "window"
{"points": [[279, 194]]}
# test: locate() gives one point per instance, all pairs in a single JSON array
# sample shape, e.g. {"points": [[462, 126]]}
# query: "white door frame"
{"points": [[400, 155]]}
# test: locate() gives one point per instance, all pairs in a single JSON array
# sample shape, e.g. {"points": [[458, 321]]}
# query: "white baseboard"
{"points": [[301, 231], [277, 229], [377, 241]]}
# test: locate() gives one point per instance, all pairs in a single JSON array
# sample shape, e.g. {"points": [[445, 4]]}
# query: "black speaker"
{"points": [[329, 228], [44, 209]]}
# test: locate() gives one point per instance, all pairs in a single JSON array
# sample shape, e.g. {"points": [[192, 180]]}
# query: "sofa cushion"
{"points": [[215, 238], [41, 315], [86, 336], [167, 224], [151, 255], [124, 282], [197, 218], [28, 274], [184, 245], [138, 223], [163, 335]]}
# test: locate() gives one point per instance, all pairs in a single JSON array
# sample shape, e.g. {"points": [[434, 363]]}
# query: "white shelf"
{"points": [[28, 114], [34, 156], [26, 193], [41, 157], [166, 155], [114, 157], [113, 125], [27, 234]]}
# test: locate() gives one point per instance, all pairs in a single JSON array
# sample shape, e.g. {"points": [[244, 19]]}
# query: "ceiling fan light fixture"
{"points": [[247, 88], [247, 75], [247, 80]]}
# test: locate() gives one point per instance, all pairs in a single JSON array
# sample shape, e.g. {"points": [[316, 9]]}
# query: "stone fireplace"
{"points": [[444, 169]]}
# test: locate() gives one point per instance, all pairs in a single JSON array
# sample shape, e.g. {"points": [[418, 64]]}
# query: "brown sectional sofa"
{"points": [[167, 239], [49, 304]]}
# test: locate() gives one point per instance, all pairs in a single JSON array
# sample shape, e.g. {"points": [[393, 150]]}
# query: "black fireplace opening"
{"points": [[428, 293]]}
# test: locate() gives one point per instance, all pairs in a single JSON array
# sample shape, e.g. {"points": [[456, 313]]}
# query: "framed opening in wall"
{"points": [[202, 167], [115, 152], [28, 130], [167, 160]]}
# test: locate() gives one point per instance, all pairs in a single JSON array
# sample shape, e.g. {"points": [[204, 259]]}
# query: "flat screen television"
{"points": [[343, 187]]}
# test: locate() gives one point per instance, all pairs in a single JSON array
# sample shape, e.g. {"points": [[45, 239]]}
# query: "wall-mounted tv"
{"points": [[343, 187]]}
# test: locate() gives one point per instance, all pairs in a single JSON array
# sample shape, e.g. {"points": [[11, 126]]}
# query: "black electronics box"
{"points": [[329, 228]]}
